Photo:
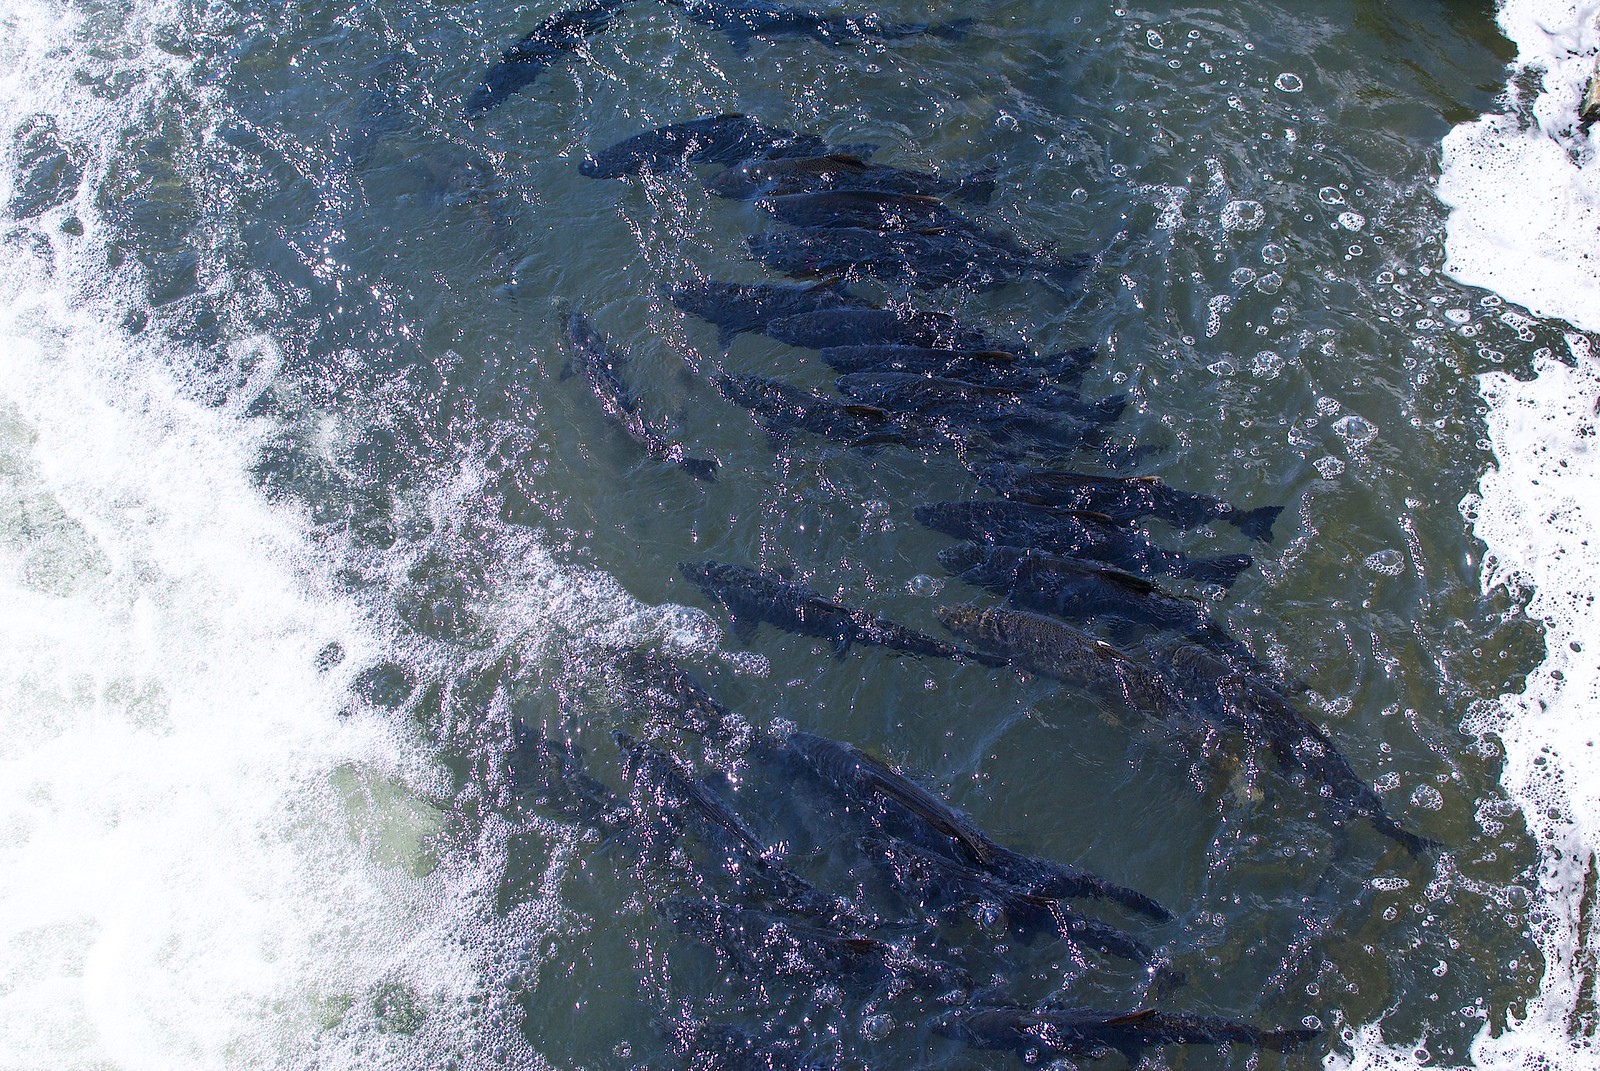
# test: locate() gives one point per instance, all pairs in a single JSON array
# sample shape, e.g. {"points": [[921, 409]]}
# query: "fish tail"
{"points": [[1064, 276], [1414, 843], [954, 30], [976, 188], [1137, 901], [1223, 570], [1285, 1040], [1108, 410], [701, 468], [1255, 523]]}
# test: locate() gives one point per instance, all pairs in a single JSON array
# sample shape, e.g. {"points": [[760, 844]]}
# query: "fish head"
{"points": [[962, 557]]}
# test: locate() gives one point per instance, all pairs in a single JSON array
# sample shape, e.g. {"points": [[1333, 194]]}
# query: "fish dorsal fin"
{"points": [[867, 411], [1142, 1016], [1127, 581], [846, 160], [1091, 515]]}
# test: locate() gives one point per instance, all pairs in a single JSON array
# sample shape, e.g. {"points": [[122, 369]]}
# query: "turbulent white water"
{"points": [[208, 859], [1524, 192]]}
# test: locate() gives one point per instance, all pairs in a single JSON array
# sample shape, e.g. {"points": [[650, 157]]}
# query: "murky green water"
{"points": [[1255, 184]]}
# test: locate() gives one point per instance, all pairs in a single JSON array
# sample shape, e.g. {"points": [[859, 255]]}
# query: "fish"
{"points": [[887, 212], [546, 44], [665, 794], [742, 20], [760, 944], [998, 368], [842, 171], [666, 799], [1052, 1033], [738, 307], [656, 685], [935, 880], [1058, 414], [869, 781], [590, 354], [718, 139], [926, 260], [707, 1046], [1073, 532], [1078, 590], [903, 327], [783, 409], [550, 774], [1184, 682], [752, 596], [1126, 498]]}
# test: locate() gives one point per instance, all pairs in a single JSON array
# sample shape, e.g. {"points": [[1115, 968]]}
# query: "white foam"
{"points": [[1524, 187], [205, 860]]}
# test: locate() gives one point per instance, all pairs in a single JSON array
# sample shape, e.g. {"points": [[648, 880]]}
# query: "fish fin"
{"points": [[1415, 844], [847, 160], [1222, 570], [841, 645], [1255, 523], [1144, 1015], [867, 411], [725, 336], [701, 468], [567, 370], [858, 151]]}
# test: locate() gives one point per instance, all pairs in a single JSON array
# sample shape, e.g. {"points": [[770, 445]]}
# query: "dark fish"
{"points": [[901, 327], [913, 811], [738, 307], [939, 882], [665, 794], [886, 212], [839, 171], [1077, 590], [759, 944], [721, 139], [1055, 1033], [1126, 498], [554, 37], [997, 368], [783, 409], [656, 686], [717, 1047], [590, 354], [873, 783], [1058, 414], [666, 799], [742, 20], [1220, 688], [752, 597], [925, 260], [1186, 682], [550, 774], [1061, 531]]}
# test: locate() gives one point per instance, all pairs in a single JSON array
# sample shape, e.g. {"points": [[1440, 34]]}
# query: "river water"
{"points": [[300, 518]]}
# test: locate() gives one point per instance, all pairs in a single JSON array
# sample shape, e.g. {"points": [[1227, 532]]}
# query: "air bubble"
{"points": [[1387, 562], [1273, 253], [925, 585], [1270, 283], [1243, 216], [1153, 39], [1330, 196], [1427, 797], [1352, 221], [1356, 431], [1289, 83], [1328, 467], [1267, 364]]}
